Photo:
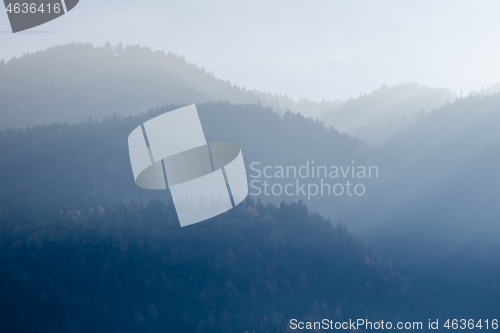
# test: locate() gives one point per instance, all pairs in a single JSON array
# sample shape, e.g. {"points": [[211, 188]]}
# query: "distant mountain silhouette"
{"points": [[75, 81], [444, 171], [64, 162], [385, 112], [55, 178]]}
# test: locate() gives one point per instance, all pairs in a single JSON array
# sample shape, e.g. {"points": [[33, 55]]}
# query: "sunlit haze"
{"points": [[305, 49]]}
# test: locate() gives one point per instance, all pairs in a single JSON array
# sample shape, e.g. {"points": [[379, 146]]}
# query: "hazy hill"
{"points": [[438, 199], [86, 163], [441, 172], [131, 268], [75, 81], [490, 90], [381, 114], [72, 82], [433, 211]]}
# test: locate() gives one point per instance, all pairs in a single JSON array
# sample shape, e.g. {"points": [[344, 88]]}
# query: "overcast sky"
{"points": [[313, 49]]}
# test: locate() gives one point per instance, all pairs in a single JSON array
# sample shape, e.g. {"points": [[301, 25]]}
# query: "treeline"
{"points": [[131, 268], [78, 166], [74, 81]]}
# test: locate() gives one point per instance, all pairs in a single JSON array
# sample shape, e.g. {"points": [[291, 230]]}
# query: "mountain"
{"points": [[490, 90], [76, 81], [72, 82], [441, 173], [87, 163], [436, 208], [80, 247], [383, 113], [444, 171], [131, 268], [432, 207]]}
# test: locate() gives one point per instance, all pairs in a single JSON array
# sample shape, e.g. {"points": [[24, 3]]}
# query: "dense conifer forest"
{"points": [[131, 268]]}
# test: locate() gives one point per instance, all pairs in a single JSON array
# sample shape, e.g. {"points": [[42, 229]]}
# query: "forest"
{"points": [[82, 248], [75, 165], [131, 268]]}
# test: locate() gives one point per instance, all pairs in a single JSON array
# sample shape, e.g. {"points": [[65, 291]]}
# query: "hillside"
{"points": [[131, 268], [72, 82], [437, 208], [88, 163], [444, 171], [380, 115], [75, 81], [55, 179], [81, 165]]}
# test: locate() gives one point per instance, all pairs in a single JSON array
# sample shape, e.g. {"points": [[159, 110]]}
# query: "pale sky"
{"points": [[313, 49]]}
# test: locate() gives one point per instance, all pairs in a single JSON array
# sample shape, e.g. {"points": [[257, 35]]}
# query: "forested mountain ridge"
{"points": [[386, 112], [58, 176], [75, 81], [71, 165], [448, 165], [437, 212], [131, 268]]}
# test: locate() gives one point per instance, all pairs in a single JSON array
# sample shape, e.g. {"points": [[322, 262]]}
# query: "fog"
{"points": [[408, 90], [314, 50]]}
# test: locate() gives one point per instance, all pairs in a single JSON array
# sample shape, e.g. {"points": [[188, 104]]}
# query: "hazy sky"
{"points": [[312, 49]]}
